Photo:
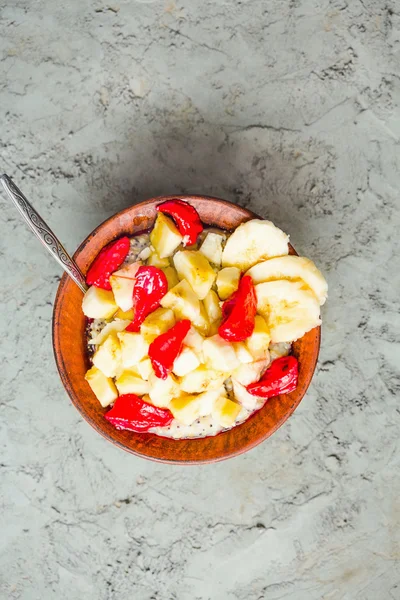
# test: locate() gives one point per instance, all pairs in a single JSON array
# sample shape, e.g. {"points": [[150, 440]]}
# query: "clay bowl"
{"points": [[72, 361]]}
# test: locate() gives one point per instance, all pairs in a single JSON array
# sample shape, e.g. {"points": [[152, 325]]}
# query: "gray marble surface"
{"points": [[293, 110]]}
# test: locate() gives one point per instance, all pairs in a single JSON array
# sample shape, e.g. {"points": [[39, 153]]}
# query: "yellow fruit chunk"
{"points": [[107, 358], [194, 340], [202, 379], [250, 372], [156, 323], [212, 248], [113, 327], [144, 254], [259, 340], [289, 308], [186, 362], [165, 238], [163, 390], [144, 368], [278, 350], [103, 387], [252, 242], [195, 268], [201, 322], [133, 347], [213, 329], [155, 261], [227, 281], [186, 408], [243, 354], [124, 314], [172, 277], [247, 400], [207, 400], [183, 301], [129, 382], [225, 411], [122, 283], [213, 309], [98, 303], [219, 354], [291, 268]]}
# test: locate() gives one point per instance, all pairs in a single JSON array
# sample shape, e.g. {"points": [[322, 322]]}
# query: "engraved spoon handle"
{"points": [[43, 232]]}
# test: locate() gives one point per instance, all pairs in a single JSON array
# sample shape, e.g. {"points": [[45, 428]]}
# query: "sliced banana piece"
{"points": [[250, 372], [220, 354], [202, 379], [183, 301], [259, 340], [212, 248], [162, 391], [129, 382], [103, 387], [133, 347], [186, 408], [254, 241], [122, 284], [156, 323], [279, 350], [172, 277], [113, 327], [165, 237], [108, 356], [291, 268], [195, 268], [227, 281], [225, 412], [186, 362], [243, 397], [98, 303], [289, 309], [213, 309]]}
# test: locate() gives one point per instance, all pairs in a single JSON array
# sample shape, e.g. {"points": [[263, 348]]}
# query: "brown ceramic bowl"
{"points": [[72, 361]]}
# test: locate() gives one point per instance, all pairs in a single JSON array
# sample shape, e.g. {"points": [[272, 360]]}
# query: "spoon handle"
{"points": [[43, 232]]}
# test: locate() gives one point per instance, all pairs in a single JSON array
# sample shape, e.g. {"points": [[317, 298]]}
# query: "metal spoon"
{"points": [[43, 232]]}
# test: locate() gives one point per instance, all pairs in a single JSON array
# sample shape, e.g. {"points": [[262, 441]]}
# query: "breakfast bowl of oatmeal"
{"points": [[199, 332]]}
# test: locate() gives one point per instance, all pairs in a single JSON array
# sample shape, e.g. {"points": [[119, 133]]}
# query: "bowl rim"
{"points": [[63, 373]]}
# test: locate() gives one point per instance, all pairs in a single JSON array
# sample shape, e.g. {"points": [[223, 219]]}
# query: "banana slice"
{"points": [[220, 354], [212, 248], [202, 379], [225, 412], [165, 237], [195, 268], [254, 241], [172, 277], [113, 327], [98, 303], [186, 362], [108, 356], [213, 309], [289, 309], [248, 401], [250, 372], [291, 268], [227, 281], [103, 387], [162, 391], [156, 323], [129, 382], [155, 260], [183, 301]]}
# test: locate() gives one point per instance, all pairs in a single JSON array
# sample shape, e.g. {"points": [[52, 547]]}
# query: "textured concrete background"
{"points": [[291, 108]]}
